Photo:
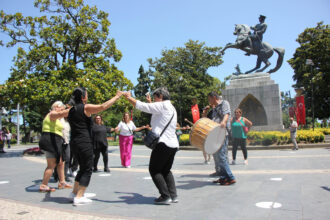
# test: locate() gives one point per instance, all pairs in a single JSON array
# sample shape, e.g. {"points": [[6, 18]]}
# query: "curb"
{"points": [[270, 147]]}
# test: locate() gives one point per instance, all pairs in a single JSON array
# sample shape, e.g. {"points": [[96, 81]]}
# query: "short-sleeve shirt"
{"points": [[218, 113], [126, 129], [292, 129]]}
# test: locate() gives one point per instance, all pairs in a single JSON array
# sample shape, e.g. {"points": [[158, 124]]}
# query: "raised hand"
{"points": [[119, 93]]}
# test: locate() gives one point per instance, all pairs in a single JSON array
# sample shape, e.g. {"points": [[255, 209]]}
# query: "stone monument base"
{"points": [[259, 98]]}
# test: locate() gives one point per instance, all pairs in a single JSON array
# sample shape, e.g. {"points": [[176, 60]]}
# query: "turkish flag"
{"points": [[301, 114], [292, 111], [195, 113]]}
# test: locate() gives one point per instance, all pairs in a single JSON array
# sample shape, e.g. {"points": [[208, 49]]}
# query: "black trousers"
{"points": [[84, 154], [161, 161], [242, 143], [104, 151]]}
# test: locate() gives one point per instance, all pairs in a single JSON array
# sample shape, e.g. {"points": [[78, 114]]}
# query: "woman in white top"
{"points": [[162, 156], [126, 128]]}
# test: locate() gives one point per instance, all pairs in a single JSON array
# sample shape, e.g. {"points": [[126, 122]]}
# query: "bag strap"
{"points": [[128, 128], [242, 124], [166, 126]]}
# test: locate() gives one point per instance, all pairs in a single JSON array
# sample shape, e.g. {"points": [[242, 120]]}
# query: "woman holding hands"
{"points": [[81, 139], [162, 156], [126, 128]]}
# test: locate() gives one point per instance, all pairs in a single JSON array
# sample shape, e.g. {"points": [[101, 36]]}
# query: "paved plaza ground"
{"points": [[277, 184]]}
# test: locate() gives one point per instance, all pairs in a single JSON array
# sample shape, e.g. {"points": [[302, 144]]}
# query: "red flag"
{"points": [[292, 111], [195, 113], [301, 115]]}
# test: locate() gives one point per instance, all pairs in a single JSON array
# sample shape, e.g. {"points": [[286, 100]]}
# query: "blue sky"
{"points": [[143, 28]]}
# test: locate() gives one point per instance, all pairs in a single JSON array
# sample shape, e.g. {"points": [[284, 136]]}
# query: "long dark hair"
{"points": [[77, 94]]}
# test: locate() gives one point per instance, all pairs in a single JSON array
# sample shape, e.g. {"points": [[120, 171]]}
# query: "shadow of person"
{"points": [[130, 198], [10, 154], [196, 176], [325, 188], [59, 200], [193, 184]]}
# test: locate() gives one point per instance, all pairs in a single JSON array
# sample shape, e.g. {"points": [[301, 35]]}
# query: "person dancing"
{"points": [[81, 140], [51, 142], [238, 134], [162, 156], [99, 134], [126, 128]]}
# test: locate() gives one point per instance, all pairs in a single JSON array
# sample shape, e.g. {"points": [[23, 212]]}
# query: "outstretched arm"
{"points": [[53, 115], [94, 109], [141, 128]]}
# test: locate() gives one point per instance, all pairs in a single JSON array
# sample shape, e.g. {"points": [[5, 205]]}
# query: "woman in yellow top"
{"points": [[51, 143]]}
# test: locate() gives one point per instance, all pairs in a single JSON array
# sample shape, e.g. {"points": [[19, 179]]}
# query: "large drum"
{"points": [[207, 135]]}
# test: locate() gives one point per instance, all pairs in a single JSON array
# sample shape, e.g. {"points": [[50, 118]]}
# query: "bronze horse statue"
{"points": [[264, 50]]}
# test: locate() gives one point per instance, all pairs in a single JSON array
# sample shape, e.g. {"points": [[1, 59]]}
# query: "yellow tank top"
{"points": [[52, 126]]}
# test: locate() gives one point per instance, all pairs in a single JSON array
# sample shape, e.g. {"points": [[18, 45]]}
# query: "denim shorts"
{"points": [[49, 154]]}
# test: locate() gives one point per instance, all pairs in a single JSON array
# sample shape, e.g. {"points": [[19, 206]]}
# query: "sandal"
{"points": [[46, 189], [64, 186]]}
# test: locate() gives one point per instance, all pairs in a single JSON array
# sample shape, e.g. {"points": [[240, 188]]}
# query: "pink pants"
{"points": [[125, 143]]}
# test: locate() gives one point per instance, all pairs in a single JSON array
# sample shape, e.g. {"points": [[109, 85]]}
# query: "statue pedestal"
{"points": [[259, 98]]}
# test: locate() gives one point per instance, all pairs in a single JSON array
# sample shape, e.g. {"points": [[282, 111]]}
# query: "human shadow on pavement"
{"points": [[10, 154], [196, 176], [325, 188], [59, 200], [193, 184], [130, 198]]}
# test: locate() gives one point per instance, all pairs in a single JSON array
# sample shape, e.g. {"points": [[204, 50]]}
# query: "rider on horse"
{"points": [[256, 37]]}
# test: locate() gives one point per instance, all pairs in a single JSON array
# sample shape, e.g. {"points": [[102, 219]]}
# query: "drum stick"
{"points": [[186, 120]]}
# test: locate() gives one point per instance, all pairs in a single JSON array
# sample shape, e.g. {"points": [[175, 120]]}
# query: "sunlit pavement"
{"points": [[277, 184]]}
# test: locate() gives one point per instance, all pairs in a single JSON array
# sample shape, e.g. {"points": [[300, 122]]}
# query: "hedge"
{"points": [[276, 137]]}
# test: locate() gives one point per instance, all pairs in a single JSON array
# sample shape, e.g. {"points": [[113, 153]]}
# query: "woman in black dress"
{"points": [[81, 139], [99, 134]]}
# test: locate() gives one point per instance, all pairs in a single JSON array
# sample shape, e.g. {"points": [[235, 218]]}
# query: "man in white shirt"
{"points": [[293, 133]]}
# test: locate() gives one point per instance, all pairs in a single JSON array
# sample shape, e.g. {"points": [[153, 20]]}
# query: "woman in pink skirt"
{"points": [[126, 128]]}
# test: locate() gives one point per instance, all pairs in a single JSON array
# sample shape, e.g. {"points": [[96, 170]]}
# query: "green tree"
{"points": [[66, 47], [140, 90], [183, 71], [314, 45], [286, 103]]}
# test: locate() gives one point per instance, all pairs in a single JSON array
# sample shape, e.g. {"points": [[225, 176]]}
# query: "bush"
{"points": [[184, 140]]}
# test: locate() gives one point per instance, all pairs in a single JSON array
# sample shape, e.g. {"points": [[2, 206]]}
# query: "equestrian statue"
{"points": [[253, 44]]}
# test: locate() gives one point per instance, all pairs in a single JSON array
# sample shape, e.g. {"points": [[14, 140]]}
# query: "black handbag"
{"points": [[151, 139]]}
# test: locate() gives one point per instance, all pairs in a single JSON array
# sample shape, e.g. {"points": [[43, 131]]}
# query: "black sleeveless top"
{"points": [[99, 133], [80, 124]]}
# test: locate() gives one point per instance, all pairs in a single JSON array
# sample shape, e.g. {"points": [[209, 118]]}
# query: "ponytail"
{"points": [[77, 95]]}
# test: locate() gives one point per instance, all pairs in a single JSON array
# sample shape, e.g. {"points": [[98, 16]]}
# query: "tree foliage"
{"points": [[140, 90], [314, 45], [68, 46], [183, 71]]}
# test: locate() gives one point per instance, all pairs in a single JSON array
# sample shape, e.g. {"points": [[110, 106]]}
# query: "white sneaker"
{"points": [[233, 162], [87, 195], [74, 174], [81, 201], [246, 162]]}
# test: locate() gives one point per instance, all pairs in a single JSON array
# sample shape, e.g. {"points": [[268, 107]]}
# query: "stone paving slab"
{"points": [[298, 180]]}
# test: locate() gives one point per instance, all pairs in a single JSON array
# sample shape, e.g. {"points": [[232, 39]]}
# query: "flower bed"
{"points": [[277, 137]]}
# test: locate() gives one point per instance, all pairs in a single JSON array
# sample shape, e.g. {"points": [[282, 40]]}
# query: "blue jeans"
{"points": [[221, 161]]}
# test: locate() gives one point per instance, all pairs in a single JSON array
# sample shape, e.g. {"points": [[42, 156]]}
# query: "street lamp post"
{"points": [[180, 80], [311, 64]]}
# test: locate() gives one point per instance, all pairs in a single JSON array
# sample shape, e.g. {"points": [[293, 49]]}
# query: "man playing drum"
{"points": [[221, 115]]}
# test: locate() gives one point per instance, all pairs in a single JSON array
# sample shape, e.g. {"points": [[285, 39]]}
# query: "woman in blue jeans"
{"points": [[239, 135]]}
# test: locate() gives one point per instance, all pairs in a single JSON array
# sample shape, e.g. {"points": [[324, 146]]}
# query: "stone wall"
{"points": [[259, 98]]}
